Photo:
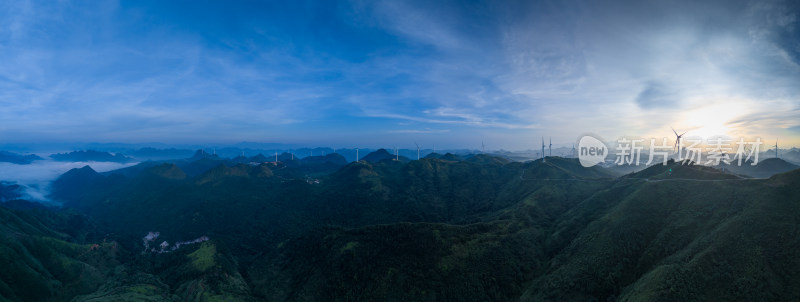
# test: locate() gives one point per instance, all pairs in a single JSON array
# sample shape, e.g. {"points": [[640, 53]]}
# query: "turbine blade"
{"points": [[673, 130]]}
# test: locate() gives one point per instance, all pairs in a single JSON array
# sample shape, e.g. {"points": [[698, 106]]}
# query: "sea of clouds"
{"points": [[37, 176]]}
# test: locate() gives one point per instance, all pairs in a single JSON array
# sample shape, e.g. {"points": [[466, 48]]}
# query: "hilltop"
{"points": [[381, 155]]}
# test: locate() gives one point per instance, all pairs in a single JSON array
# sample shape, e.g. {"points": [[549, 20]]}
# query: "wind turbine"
{"points": [[677, 139], [551, 146], [776, 148], [483, 147], [573, 151], [356, 154], [415, 143], [543, 149], [396, 156], [724, 158]]}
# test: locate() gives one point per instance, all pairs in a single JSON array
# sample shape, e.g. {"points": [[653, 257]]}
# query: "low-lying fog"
{"points": [[36, 177]]}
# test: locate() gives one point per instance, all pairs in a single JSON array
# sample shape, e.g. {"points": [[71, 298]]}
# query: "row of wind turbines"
{"points": [[548, 146], [677, 145]]}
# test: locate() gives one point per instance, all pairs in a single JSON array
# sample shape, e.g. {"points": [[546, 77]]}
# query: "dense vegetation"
{"points": [[443, 228], [764, 169]]}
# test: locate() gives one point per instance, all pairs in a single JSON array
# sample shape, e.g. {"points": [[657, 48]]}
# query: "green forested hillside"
{"points": [[476, 229], [40, 262], [763, 169]]}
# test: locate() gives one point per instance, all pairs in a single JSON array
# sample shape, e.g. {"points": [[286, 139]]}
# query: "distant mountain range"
{"points": [[90, 155], [20, 159], [153, 153]]}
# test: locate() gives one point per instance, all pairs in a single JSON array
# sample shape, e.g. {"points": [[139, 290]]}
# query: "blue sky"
{"points": [[372, 74]]}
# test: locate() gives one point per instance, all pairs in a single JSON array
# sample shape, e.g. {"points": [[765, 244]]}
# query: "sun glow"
{"points": [[712, 120]]}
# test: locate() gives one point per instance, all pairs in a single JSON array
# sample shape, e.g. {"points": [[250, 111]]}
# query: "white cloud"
{"points": [[36, 177]]}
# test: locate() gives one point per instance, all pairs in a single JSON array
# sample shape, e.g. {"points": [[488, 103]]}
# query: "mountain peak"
{"points": [[259, 158], [488, 159], [451, 157], [86, 170], [381, 155], [239, 170], [433, 155]]}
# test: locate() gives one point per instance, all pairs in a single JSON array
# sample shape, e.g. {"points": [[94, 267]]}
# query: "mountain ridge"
{"points": [[477, 229]]}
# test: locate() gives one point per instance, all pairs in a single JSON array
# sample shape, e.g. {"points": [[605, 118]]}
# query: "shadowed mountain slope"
{"points": [[477, 229]]}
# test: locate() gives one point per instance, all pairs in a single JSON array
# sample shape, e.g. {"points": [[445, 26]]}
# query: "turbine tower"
{"points": [[677, 139], [573, 151], [483, 147], [776, 148], [542, 148], [551, 146], [415, 143], [356, 154]]}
